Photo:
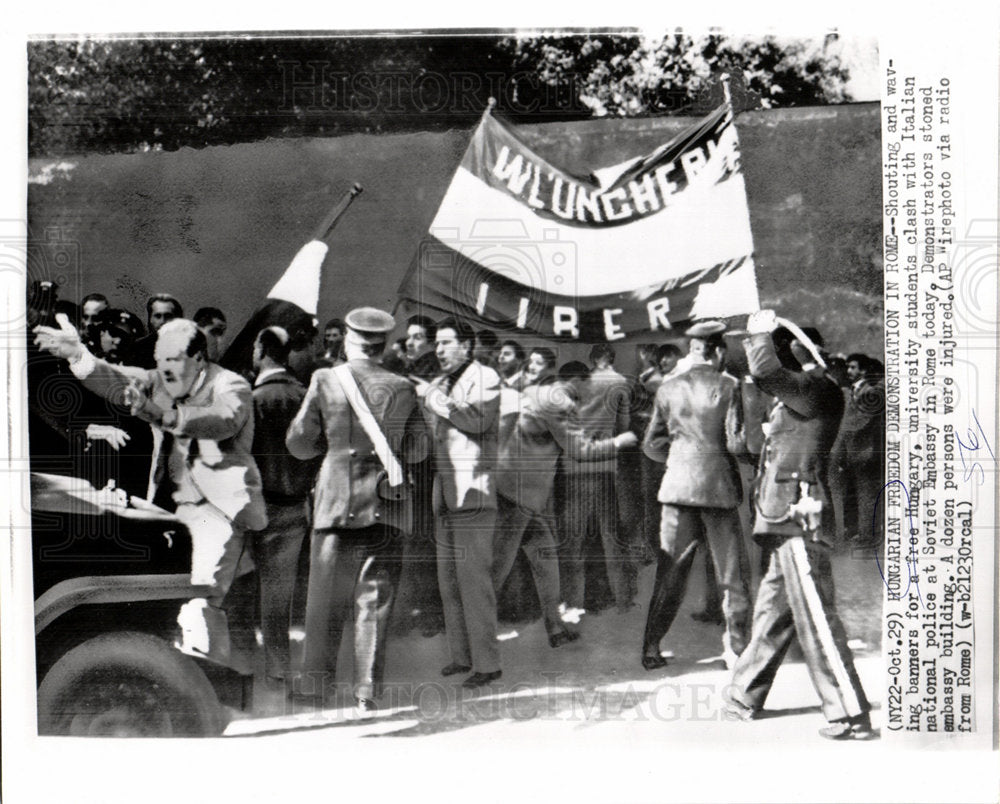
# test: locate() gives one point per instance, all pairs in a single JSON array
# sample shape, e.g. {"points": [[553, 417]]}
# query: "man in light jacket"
{"points": [[462, 409], [202, 420]]}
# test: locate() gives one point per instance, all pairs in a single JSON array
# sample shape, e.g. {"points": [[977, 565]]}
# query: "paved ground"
{"points": [[593, 688]]}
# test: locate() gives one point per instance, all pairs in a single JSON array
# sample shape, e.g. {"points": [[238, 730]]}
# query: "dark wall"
{"points": [[218, 226]]}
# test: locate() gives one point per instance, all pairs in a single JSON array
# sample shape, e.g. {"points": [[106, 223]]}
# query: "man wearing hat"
{"points": [[796, 599], [358, 416], [115, 333], [696, 430]]}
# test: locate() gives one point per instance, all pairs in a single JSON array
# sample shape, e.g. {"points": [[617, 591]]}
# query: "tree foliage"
{"points": [[153, 93]]}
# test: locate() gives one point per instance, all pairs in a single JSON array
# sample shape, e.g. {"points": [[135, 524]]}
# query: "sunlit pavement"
{"points": [[594, 688]]}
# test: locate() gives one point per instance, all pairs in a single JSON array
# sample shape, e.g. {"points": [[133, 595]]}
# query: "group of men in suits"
{"points": [[491, 445]]}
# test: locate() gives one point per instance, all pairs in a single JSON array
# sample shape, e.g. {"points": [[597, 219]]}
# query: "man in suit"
{"points": [[359, 515], [462, 409], [535, 429], [91, 307], [696, 431], [212, 321], [856, 457], [202, 421], [421, 332], [286, 481], [590, 504], [333, 342], [510, 365], [419, 585], [793, 519], [160, 308]]}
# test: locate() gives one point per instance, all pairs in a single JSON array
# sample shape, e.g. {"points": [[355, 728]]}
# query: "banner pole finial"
{"points": [[330, 221]]}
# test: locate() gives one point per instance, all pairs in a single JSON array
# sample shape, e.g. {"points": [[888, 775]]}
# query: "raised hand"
{"points": [[763, 321], [62, 342]]}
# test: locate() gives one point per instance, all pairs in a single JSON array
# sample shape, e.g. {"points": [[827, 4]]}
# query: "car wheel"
{"points": [[127, 685]]}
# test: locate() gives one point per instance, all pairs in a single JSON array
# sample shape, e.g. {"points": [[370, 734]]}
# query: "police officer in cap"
{"points": [[360, 417], [696, 430]]}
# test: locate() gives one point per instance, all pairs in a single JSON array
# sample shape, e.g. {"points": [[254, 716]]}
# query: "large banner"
{"points": [[633, 249]]}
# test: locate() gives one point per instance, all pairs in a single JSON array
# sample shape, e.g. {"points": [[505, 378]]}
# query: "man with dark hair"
{"points": [[333, 343], [202, 421], [510, 363], [487, 348], [696, 430], [91, 305], [796, 597], [667, 357], [419, 584], [535, 429], [856, 459], [590, 507], [358, 417], [285, 481], [212, 321], [303, 360], [575, 372], [421, 332], [160, 308], [462, 408]]}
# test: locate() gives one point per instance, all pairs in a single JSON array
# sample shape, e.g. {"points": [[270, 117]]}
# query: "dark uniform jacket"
{"points": [[801, 430], [696, 430], [276, 400], [346, 488]]}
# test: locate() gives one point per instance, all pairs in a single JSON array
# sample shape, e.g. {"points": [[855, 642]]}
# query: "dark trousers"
{"points": [[275, 552], [682, 529], [418, 587], [465, 576], [589, 504], [540, 549], [796, 599], [637, 483], [854, 492], [352, 573]]}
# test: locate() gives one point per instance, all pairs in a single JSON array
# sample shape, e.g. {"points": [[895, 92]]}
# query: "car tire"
{"points": [[127, 685]]}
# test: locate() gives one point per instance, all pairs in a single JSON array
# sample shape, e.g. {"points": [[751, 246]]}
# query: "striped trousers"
{"points": [[796, 599]]}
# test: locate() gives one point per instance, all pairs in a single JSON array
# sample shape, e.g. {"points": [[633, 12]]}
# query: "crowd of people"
{"points": [[423, 466]]}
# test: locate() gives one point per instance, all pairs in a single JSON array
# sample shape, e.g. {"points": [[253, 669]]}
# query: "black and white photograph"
{"points": [[555, 390]]}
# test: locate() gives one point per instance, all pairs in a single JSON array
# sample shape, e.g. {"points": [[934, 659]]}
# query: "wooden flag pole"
{"points": [[330, 221], [727, 92]]}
